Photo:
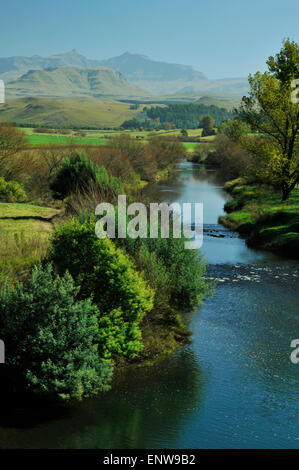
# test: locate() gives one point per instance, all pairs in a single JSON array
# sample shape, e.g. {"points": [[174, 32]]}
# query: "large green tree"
{"points": [[207, 126], [51, 337], [271, 111]]}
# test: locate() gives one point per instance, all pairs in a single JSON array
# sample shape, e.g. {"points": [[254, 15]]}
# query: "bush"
{"points": [[11, 191], [166, 151], [51, 337], [180, 273], [107, 274], [231, 160], [78, 172]]}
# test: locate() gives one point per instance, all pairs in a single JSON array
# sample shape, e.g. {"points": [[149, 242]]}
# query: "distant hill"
{"points": [[72, 82], [237, 86], [228, 102], [139, 67], [66, 113], [11, 68], [164, 78]]}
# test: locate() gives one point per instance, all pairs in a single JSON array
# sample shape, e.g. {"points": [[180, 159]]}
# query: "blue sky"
{"points": [[222, 38]]}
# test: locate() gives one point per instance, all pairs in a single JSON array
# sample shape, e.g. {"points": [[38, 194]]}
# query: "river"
{"points": [[234, 386]]}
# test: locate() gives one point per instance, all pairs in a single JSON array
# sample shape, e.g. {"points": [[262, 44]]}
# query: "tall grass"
{"points": [[19, 252]]}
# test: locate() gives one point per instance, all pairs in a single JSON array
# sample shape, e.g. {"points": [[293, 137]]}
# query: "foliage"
{"points": [[180, 116], [165, 151], [176, 273], [230, 159], [207, 126], [78, 172], [270, 110], [201, 152], [234, 129], [11, 141], [107, 274], [11, 191], [51, 337], [146, 159]]}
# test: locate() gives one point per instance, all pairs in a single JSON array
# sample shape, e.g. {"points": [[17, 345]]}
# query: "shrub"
{"points": [[51, 337], [11, 191], [181, 272], [232, 160], [166, 150], [107, 274], [78, 172]]}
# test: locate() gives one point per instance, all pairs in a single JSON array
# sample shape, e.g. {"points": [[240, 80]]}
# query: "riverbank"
{"points": [[258, 213]]}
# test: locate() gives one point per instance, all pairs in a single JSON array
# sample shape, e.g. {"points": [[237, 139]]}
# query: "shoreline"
{"points": [[258, 214]]}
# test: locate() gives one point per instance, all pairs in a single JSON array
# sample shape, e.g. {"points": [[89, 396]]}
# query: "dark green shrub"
{"points": [[106, 273], [51, 337], [11, 191], [77, 173]]}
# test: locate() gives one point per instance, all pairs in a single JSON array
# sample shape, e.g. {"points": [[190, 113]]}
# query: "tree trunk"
{"points": [[285, 194]]}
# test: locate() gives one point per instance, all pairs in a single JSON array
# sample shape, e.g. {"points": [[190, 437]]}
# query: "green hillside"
{"points": [[72, 82], [228, 102], [56, 113]]}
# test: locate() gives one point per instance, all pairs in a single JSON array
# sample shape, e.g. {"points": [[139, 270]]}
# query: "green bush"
{"points": [[77, 173], [51, 337], [177, 273], [107, 274], [11, 191]]}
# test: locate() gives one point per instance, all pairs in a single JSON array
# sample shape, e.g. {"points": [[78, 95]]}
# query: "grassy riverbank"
{"points": [[258, 213]]}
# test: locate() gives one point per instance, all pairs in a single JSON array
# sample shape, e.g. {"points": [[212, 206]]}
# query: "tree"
{"points": [[207, 126], [51, 337], [184, 133], [11, 141], [234, 129], [270, 111]]}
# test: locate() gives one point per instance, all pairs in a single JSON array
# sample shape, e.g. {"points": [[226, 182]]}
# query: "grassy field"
{"points": [[62, 113], [16, 210], [101, 137], [266, 221], [24, 237], [45, 139]]}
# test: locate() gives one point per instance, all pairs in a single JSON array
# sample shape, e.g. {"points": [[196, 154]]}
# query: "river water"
{"points": [[233, 387]]}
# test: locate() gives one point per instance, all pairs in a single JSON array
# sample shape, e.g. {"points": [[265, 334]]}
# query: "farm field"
{"points": [[101, 137], [40, 139]]}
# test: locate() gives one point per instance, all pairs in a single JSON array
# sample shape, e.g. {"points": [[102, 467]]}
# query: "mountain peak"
{"points": [[140, 67]]}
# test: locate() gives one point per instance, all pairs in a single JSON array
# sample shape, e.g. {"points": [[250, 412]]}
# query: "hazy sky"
{"points": [[222, 38]]}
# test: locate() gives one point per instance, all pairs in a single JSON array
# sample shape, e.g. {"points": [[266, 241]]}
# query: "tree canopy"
{"points": [[274, 115]]}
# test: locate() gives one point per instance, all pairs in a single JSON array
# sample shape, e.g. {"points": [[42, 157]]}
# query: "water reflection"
{"points": [[147, 406]]}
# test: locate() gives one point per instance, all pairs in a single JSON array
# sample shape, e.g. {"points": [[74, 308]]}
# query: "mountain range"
{"points": [[154, 77], [58, 82]]}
